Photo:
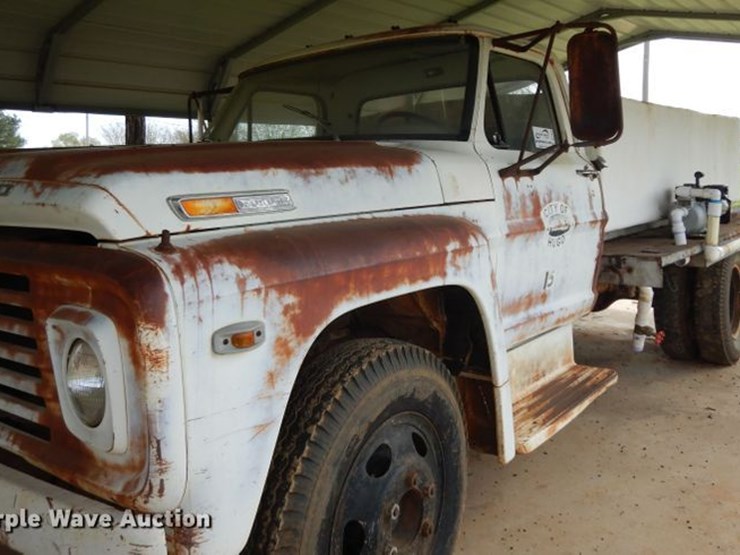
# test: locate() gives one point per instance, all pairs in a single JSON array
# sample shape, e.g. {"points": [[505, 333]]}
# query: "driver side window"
{"points": [[512, 87]]}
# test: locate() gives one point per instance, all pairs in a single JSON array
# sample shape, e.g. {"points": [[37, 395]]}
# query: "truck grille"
{"points": [[21, 406]]}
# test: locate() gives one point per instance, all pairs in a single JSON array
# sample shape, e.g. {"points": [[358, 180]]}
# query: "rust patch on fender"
{"points": [[476, 392], [303, 157], [182, 540], [314, 268]]}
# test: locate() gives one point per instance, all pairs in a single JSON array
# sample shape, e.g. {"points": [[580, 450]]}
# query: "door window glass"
{"points": [[512, 88]]}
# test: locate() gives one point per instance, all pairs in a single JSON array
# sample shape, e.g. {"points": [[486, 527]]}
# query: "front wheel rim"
{"points": [[391, 498]]}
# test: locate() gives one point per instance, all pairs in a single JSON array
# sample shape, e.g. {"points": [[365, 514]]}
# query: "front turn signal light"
{"points": [[208, 206]]}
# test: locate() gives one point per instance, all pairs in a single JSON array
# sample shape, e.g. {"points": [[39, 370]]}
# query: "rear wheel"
{"points": [[674, 305], [371, 457], [717, 309]]}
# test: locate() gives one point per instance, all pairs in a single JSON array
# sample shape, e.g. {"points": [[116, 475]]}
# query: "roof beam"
{"points": [[221, 71], [49, 53], [665, 34], [470, 11], [605, 14]]}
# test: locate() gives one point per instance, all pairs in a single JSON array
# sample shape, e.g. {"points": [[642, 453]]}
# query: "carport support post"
{"points": [[135, 130], [646, 71]]}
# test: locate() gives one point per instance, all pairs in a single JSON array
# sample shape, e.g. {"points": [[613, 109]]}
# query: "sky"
{"points": [[691, 74]]}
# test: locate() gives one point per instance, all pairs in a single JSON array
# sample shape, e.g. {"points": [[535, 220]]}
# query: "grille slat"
{"points": [[22, 409], [20, 382], [16, 326], [14, 298], [21, 355], [36, 430]]}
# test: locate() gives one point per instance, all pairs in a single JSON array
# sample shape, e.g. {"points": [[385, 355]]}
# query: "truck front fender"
{"points": [[296, 280]]}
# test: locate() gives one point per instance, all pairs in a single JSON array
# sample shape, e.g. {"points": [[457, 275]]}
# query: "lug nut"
{"points": [[429, 491], [413, 480], [427, 528], [391, 550], [395, 511]]}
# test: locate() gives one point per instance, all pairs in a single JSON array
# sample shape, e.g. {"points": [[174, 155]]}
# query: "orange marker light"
{"points": [[238, 337], [243, 340], [208, 206]]}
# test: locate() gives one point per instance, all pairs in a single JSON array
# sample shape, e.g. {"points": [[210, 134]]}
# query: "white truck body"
{"points": [[660, 149]]}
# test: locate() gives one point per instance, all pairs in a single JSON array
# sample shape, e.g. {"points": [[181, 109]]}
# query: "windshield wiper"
{"points": [[325, 125]]}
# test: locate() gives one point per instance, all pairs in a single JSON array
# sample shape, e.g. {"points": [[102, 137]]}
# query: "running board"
{"points": [[549, 408]]}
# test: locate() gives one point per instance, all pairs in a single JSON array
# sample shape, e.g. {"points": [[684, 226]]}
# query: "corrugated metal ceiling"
{"points": [[146, 56]]}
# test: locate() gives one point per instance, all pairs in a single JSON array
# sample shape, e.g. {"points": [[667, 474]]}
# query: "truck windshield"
{"points": [[421, 89]]}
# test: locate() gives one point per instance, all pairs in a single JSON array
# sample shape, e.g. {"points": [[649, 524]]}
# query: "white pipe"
{"points": [[714, 213], [714, 253], [679, 230], [693, 192], [643, 321]]}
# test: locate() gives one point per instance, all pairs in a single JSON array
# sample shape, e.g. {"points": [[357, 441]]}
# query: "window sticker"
{"points": [[544, 137]]}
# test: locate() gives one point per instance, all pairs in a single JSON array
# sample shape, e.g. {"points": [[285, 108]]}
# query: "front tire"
{"points": [[371, 457], [717, 309]]}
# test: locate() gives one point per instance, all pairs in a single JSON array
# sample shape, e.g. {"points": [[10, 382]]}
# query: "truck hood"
{"points": [[123, 193]]}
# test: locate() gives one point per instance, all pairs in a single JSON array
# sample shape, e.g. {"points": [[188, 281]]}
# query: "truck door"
{"points": [[554, 220]]}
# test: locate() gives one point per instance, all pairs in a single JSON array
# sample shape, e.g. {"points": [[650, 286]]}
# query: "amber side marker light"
{"points": [[238, 337], [243, 340]]}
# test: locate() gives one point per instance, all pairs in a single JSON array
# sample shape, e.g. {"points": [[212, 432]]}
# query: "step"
{"points": [[548, 409]]}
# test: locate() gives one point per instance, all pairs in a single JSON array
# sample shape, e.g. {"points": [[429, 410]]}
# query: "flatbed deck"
{"points": [[637, 259]]}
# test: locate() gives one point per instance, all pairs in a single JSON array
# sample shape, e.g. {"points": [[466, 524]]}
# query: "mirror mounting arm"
{"points": [[511, 43], [515, 170], [535, 100]]}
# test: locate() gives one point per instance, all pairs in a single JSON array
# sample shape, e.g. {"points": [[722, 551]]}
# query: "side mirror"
{"points": [[595, 99]]}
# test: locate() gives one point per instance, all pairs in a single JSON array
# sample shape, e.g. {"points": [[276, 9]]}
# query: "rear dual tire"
{"points": [[674, 313], [699, 312], [717, 312]]}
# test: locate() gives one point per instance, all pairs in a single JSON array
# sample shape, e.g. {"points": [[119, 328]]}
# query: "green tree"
{"points": [[156, 134], [9, 136], [72, 139]]}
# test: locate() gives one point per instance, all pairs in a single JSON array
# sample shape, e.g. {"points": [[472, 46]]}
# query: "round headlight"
{"points": [[86, 383]]}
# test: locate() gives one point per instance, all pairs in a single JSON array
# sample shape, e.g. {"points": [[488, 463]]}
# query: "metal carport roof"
{"points": [[146, 56]]}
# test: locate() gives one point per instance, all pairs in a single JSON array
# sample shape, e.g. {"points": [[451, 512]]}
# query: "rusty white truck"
{"points": [[285, 338]]}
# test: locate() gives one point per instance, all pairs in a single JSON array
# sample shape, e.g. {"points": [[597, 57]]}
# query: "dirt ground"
{"points": [[650, 468]]}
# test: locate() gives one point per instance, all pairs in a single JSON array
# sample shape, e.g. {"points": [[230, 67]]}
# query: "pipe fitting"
{"points": [[677, 226], [714, 253], [643, 320]]}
